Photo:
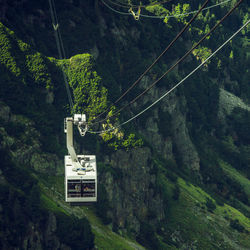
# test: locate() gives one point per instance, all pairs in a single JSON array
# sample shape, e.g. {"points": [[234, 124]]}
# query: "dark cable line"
{"points": [[195, 46], [59, 33], [123, 5], [156, 60], [174, 87], [163, 16], [60, 47]]}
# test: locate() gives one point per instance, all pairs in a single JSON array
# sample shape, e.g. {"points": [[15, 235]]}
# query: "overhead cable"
{"points": [[60, 47], [172, 89], [169, 16], [116, 11], [173, 66], [156, 60], [58, 30], [117, 3]]}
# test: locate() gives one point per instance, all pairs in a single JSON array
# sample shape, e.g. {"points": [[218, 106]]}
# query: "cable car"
{"points": [[81, 183], [80, 170]]}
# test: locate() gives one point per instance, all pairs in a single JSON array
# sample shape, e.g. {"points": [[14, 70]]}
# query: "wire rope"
{"points": [[60, 47], [156, 60], [173, 66], [172, 89], [169, 16], [59, 32], [116, 11], [136, 6]]}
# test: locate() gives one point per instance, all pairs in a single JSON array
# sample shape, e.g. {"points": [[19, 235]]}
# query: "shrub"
{"points": [[236, 225], [102, 206], [210, 205], [176, 192], [147, 236], [74, 232]]}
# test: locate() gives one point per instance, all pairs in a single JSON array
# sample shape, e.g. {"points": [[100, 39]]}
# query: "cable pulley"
{"points": [[137, 14]]}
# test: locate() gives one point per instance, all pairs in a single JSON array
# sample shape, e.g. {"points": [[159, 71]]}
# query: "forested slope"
{"points": [[176, 177]]}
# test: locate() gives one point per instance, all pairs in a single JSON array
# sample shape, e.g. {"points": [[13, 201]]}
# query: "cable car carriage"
{"points": [[80, 170]]}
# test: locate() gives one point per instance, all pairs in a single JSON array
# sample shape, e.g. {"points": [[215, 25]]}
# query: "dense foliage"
{"points": [[21, 209], [122, 48]]}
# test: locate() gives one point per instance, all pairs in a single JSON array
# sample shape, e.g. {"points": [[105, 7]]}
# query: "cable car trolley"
{"points": [[80, 170]]}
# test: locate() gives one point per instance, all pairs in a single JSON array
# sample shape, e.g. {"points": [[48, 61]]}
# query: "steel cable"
{"points": [[156, 60], [172, 89], [173, 66], [60, 48], [169, 16]]}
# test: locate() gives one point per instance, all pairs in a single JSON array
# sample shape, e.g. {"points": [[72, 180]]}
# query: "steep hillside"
{"points": [[177, 177]]}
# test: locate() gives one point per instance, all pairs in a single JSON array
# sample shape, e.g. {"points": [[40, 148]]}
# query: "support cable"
{"points": [[162, 17], [156, 60], [117, 3], [59, 32], [172, 89], [173, 66], [60, 47], [116, 11]]}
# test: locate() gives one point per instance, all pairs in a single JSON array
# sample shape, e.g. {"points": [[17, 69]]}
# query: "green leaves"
{"points": [[21, 61], [38, 69], [132, 142], [6, 48], [117, 141], [90, 96]]}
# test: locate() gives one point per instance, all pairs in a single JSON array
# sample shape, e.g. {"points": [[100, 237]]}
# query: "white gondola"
{"points": [[80, 170], [81, 183]]}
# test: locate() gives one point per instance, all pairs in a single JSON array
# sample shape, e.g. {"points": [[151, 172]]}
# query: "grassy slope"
{"points": [[189, 222], [53, 199], [14, 51], [239, 177], [190, 217]]}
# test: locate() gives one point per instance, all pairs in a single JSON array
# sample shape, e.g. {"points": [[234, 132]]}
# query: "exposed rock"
{"points": [[181, 138], [131, 197], [4, 112], [33, 238], [227, 102], [183, 142], [45, 163], [152, 134], [135, 33], [27, 149], [120, 34], [39, 238], [49, 97], [50, 239], [178, 128], [94, 52]]}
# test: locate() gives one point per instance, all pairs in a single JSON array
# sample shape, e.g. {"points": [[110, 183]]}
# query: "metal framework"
{"points": [[80, 170]]}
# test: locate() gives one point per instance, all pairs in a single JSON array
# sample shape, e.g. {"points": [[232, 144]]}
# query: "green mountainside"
{"points": [[177, 177]]}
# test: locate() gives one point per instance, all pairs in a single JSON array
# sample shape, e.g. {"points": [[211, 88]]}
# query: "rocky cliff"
{"points": [[194, 140]]}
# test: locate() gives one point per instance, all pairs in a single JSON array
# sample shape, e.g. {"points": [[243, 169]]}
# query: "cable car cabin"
{"points": [[81, 182]]}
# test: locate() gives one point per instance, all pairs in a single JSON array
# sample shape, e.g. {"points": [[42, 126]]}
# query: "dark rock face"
{"points": [[131, 196]]}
